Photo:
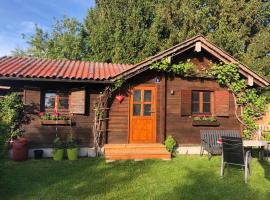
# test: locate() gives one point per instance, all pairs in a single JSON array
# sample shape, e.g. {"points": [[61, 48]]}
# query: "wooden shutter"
{"points": [[32, 99], [222, 104], [77, 101], [185, 102]]}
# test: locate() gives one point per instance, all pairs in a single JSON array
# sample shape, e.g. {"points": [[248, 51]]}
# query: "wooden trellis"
{"points": [[100, 119]]}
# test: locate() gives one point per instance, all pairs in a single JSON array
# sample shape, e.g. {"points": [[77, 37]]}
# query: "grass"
{"points": [[185, 177]]}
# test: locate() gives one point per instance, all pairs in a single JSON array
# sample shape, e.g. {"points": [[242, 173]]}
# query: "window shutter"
{"points": [[77, 101], [31, 98], [185, 102], [222, 104]]}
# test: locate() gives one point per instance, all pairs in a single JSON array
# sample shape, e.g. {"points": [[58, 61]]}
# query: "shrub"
{"points": [[170, 144], [11, 119]]}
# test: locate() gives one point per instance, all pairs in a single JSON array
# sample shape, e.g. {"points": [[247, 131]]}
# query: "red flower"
{"points": [[41, 114], [56, 114]]}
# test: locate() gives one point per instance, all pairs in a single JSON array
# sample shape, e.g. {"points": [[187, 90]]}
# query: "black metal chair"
{"points": [[233, 154]]}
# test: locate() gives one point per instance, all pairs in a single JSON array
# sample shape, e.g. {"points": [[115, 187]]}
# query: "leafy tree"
{"points": [[64, 41], [128, 31]]}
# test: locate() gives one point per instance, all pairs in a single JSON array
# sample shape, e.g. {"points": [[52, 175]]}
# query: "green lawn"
{"points": [[185, 177]]}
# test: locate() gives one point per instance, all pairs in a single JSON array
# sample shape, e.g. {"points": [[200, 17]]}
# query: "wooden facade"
{"points": [[169, 113]]}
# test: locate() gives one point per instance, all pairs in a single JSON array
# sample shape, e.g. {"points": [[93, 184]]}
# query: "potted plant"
{"points": [[72, 148], [58, 149], [205, 121]]}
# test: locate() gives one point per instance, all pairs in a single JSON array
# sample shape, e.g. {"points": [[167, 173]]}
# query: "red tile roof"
{"points": [[26, 67]]}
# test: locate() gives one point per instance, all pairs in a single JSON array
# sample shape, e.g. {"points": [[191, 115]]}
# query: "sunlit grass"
{"points": [[185, 177]]}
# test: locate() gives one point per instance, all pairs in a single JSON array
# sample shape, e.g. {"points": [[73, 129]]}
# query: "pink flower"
{"points": [[56, 114], [41, 114]]}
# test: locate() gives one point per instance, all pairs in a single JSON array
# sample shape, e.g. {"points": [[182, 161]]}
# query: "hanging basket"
{"points": [[119, 98]]}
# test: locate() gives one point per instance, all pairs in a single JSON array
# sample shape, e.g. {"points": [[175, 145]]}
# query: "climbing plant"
{"points": [[100, 111], [182, 68], [253, 105]]}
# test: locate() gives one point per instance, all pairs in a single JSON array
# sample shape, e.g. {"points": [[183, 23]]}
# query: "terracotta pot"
{"points": [[119, 98], [20, 149]]}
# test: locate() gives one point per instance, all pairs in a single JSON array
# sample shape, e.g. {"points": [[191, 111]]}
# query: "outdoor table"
{"points": [[257, 143]]}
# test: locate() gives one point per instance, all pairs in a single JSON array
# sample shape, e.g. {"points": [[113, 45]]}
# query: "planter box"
{"points": [[56, 122], [205, 123]]}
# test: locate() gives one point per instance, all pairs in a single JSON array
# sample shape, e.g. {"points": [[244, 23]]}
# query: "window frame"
{"points": [[57, 99], [201, 102]]}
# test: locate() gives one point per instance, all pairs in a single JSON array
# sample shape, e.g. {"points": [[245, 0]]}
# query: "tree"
{"points": [[64, 41], [128, 31]]}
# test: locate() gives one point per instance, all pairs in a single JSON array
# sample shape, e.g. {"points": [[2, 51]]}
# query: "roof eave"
{"points": [[218, 52], [57, 80]]}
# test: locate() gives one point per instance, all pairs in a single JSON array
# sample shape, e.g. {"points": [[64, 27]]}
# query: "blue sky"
{"points": [[20, 16]]}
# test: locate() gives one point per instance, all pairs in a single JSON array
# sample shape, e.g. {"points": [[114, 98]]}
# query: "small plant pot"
{"points": [[38, 154], [72, 153], [58, 154]]}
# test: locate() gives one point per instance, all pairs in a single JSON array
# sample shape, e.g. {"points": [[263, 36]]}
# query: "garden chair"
{"points": [[209, 140], [233, 154]]}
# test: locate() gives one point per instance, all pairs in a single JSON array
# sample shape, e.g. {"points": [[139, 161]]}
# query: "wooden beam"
{"points": [[198, 46], [250, 80], [162, 109], [169, 58]]}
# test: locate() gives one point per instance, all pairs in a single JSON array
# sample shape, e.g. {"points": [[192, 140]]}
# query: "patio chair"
{"points": [[209, 140], [233, 154]]}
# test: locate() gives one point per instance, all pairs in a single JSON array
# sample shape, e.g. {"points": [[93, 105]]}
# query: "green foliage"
{"points": [[182, 68], [226, 74], [205, 118], [170, 144], [11, 119], [266, 135], [11, 114], [58, 144], [65, 41], [117, 84], [123, 31], [71, 143], [253, 104], [161, 66], [53, 116], [186, 68]]}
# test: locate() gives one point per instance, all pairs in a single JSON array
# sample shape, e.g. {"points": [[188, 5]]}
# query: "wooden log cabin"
{"points": [[153, 107]]}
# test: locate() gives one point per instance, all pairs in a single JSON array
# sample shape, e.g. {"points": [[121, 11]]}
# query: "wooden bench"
{"points": [[209, 140]]}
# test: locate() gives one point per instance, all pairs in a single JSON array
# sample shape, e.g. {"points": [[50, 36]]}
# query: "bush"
{"points": [[170, 144], [11, 119]]}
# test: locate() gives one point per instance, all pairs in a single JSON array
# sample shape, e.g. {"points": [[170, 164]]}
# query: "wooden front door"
{"points": [[142, 119]]}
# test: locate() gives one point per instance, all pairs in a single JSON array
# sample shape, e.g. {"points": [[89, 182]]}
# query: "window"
{"points": [[201, 102], [56, 101], [142, 102]]}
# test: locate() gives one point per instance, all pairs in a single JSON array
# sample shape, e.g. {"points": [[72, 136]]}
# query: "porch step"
{"points": [[136, 152]]}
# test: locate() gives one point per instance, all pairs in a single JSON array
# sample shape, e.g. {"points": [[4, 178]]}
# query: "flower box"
{"points": [[56, 122], [205, 123]]}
